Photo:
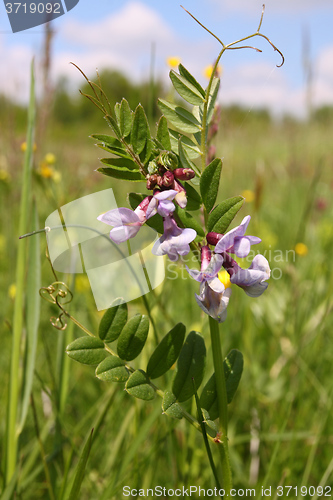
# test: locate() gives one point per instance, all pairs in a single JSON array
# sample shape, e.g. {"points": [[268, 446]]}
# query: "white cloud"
{"points": [[261, 85], [123, 41], [323, 78], [15, 62]]}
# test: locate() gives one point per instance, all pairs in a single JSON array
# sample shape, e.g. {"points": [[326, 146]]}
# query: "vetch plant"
{"points": [[181, 176]]}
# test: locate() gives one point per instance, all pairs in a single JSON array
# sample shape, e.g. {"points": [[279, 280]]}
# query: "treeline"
{"points": [[69, 107]]}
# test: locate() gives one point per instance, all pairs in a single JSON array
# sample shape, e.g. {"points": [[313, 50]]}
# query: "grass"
{"points": [[280, 428]]}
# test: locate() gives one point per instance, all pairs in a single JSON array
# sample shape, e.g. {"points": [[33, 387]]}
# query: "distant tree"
{"points": [[323, 115], [70, 107]]}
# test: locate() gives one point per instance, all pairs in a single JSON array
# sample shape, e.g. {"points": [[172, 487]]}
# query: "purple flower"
{"points": [[162, 202], [213, 303], [126, 222], [180, 197], [235, 242], [210, 267], [252, 280], [175, 241]]}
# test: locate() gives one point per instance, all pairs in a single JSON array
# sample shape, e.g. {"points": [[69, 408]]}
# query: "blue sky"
{"points": [[120, 34]]}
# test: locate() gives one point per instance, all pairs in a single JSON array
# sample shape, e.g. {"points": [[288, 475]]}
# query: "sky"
{"points": [[123, 34]]}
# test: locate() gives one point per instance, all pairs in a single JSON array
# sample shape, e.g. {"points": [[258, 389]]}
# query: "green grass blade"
{"points": [[14, 382], [205, 438], [33, 314], [80, 469], [8, 493]]}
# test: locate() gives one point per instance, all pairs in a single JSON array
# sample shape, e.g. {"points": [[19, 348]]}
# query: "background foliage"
{"points": [[280, 420]]}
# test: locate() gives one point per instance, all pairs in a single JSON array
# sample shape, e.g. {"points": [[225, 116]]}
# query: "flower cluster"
{"points": [[214, 295], [126, 223]]}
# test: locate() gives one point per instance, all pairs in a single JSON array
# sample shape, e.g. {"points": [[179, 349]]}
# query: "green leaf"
{"points": [[190, 78], [80, 469], [121, 173], [193, 197], [133, 337], [87, 350], [121, 163], [190, 366], [170, 405], [189, 146], [221, 217], [184, 158], [147, 151], [233, 368], [112, 369], [113, 124], [125, 118], [208, 398], [113, 322], [117, 112], [208, 420], [108, 140], [138, 386], [188, 221], [209, 183], [212, 98], [167, 352], [115, 151], [118, 151], [155, 222], [162, 134], [179, 117], [185, 89], [140, 129]]}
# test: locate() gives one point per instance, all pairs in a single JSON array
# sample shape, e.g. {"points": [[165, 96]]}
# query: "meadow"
{"points": [[281, 427]]}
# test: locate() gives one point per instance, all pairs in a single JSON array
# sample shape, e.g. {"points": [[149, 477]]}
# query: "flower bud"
{"points": [[213, 238], [159, 181], [152, 181], [184, 174], [206, 256], [168, 179]]}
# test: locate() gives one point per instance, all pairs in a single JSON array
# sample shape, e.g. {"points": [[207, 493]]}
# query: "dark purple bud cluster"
{"points": [[168, 179]]}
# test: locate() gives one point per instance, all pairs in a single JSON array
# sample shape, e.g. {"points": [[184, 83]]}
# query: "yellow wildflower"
{"points": [[50, 158], [248, 195], [208, 71], [301, 249], [46, 171], [173, 62], [4, 176], [12, 291], [24, 147], [224, 278], [56, 176]]}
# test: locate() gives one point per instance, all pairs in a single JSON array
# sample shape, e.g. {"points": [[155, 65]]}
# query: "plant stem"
{"points": [[222, 404], [203, 144]]}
